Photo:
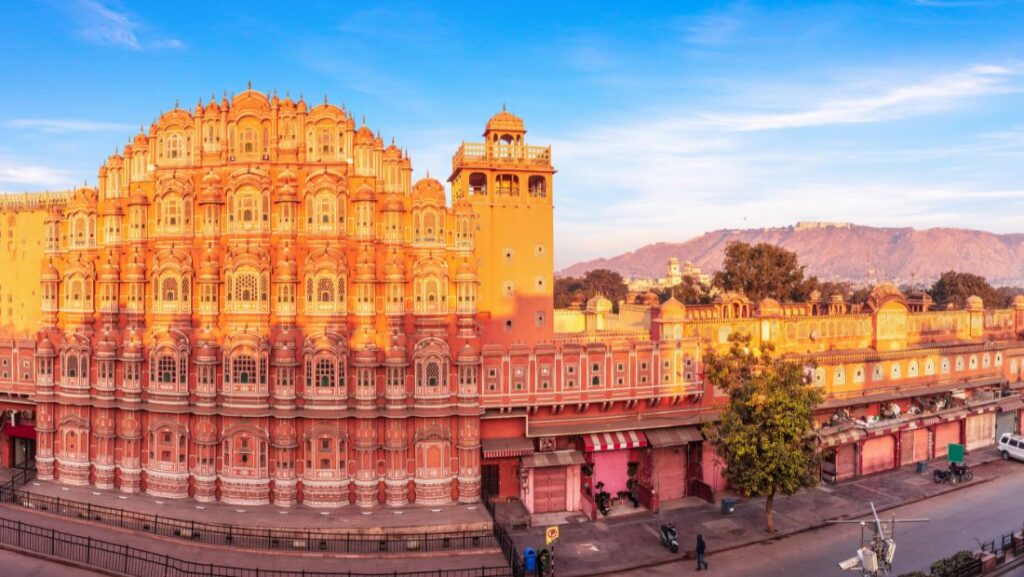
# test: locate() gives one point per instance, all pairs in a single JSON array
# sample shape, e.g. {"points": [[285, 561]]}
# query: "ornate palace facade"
{"points": [[257, 305]]}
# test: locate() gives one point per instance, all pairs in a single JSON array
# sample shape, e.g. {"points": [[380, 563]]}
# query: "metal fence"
{"points": [[508, 546], [140, 563], [250, 537]]}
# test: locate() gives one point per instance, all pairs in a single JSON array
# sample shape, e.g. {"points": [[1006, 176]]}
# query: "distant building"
{"points": [[674, 276]]}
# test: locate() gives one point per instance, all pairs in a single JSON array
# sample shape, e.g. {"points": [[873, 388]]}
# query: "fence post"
{"points": [[53, 541], [88, 551], [19, 533], [122, 518], [167, 564], [125, 559]]}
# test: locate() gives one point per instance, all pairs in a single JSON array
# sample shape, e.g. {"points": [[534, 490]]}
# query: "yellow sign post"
{"points": [[551, 534]]}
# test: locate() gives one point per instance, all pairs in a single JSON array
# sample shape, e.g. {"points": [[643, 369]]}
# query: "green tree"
{"points": [[764, 434], [565, 289], [690, 292], [953, 288], [763, 270], [602, 281]]}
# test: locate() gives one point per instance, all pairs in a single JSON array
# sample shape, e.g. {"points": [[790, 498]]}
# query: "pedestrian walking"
{"points": [[701, 547]]}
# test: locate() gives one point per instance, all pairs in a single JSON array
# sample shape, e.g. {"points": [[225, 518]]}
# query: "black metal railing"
{"points": [[508, 546], [250, 537], [123, 559]]}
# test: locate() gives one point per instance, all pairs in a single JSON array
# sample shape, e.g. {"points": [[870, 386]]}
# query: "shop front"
{"points": [[499, 469], [980, 429], [1008, 417], [664, 474], [17, 440], [878, 454], [839, 454], [551, 481], [613, 460]]}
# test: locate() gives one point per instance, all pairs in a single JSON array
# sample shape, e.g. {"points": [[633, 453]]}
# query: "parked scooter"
{"points": [[670, 537], [603, 499], [962, 471], [945, 476], [634, 492]]}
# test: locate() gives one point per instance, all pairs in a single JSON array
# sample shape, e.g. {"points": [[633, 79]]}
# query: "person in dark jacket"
{"points": [[701, 547]]}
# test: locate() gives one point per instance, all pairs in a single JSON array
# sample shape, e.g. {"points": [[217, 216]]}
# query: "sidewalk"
{"points": [[243, 558], [412, 519], [614, 545]]}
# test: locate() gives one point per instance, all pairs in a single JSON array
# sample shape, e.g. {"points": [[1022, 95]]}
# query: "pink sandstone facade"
{"points": [[257, 305]]}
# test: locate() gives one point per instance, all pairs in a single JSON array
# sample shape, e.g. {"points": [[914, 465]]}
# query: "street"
{"points": [[958, 520]]}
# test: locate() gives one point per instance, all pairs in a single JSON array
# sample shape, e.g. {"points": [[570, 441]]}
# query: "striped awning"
{"points": [[612, 441], [553, 459], [673, 436], [842, 438], [506, 447], [1010, 404]]}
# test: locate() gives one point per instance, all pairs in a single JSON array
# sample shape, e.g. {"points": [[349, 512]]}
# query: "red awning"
{"points": [[613, 441], [506, 447], [20, 431]]}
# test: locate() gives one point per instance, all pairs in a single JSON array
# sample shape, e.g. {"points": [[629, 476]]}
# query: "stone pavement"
{"points": [[411, 519], [612, 545], [246, 558]]}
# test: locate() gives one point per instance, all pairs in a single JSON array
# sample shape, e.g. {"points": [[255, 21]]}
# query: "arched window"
{"points": [[169, 289], [71, 370], [243, 369], [325, 376], [433, 374], [247, 142], [166, 369], [174, 146], [325, 290], [538, 186]]}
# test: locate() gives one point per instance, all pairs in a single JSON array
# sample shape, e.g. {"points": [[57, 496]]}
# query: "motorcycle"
{"points": [[670, 537], [962, 471], [945, 476], [603, 499]]}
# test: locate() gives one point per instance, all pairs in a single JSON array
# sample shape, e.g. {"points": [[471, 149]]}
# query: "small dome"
{"points": [[599, 304], [673, 310], [393, 203], [974, 303], [45, 348], [365, 136], [505, 121], [1018, 301], [428, 188], [50, 272], [470, 351]]}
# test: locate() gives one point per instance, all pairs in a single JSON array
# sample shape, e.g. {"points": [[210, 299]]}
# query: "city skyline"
{"points": [[721, 116]]}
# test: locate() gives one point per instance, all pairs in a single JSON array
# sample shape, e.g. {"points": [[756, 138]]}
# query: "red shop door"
{"points": [[670, 472], [549, 489]]}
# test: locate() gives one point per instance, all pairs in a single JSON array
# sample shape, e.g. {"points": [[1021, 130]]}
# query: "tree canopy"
{"points": [[763, 270], [598, 281], [953, 288], [764, 434]]}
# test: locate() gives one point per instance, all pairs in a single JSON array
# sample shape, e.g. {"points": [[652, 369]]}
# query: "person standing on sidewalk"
{"points": [[701, 547]]}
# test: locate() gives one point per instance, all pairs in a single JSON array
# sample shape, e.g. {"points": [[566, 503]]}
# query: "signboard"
{"points": [[956, 453], [551, 535]]}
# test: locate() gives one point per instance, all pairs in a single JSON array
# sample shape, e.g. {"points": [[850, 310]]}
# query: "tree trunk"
{"points": [[769, 517]]}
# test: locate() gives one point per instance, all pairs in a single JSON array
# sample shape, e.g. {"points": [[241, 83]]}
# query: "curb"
{"points": [[178, 541], [783, 535]]}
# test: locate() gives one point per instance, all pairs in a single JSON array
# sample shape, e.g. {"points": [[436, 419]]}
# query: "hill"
{"points": [[841, 251]]}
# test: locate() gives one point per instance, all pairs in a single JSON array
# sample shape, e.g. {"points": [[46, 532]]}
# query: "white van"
{"points": [[1011, 447]]}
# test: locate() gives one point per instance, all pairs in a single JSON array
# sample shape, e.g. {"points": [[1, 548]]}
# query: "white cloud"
{"points": [[672, 175], [713, 30], [101, 24], [17, 177], [932, 95], [57, 125]]}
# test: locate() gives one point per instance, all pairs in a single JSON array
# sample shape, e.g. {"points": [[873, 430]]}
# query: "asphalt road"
{"points": [[15, 565], [958, 520]]}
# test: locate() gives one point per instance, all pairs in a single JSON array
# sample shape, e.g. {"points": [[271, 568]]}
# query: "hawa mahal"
{"points": [[258, 305]]}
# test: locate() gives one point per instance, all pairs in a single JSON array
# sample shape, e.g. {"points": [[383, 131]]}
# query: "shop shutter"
{"points": [[945, 434], [879, 454], [913, 446], [981, 431]]}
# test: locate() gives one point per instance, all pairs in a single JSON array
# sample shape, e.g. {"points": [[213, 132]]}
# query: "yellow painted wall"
{"points": [[21, 257]]}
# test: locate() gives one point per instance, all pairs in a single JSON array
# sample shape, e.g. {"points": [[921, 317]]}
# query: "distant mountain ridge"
{"points": [[843, 251]]}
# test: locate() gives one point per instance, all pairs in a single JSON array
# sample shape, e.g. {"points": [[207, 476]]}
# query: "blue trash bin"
{"points": [[728, 506], [529, 560]]}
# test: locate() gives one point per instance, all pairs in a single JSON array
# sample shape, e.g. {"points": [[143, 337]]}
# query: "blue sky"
{"points": [[667, 119]]}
